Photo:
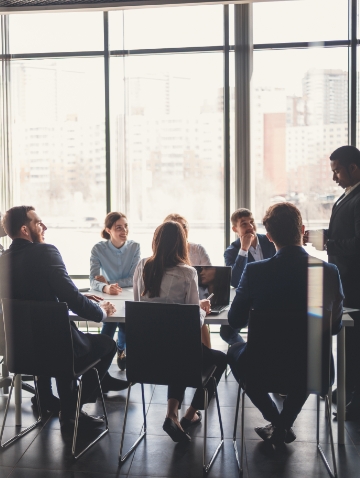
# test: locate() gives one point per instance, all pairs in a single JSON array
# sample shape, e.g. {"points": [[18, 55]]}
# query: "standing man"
{"points": [[33, 270], [280, 283], [249, 247], [342, 243]]}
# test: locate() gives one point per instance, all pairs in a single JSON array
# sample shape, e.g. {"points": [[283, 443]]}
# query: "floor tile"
{"points": [[158, 456], [5, 471], [51, 451], [37, 473]]}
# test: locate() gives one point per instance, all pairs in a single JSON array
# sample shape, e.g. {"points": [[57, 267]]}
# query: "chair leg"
{"points": [[28, 429], [241, 470], [235, 426], [333, 474], [227, 371], [77, 419], [122, 457], [206, 467]]}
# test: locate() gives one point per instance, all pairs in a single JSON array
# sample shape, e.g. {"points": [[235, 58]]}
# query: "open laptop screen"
{"points": [[214, 280]]}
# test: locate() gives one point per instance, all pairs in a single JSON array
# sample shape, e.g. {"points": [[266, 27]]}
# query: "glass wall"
{"points": [[299, 106]]}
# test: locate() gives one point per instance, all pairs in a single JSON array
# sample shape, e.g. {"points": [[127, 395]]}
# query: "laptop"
{"points": [[215, 280]]}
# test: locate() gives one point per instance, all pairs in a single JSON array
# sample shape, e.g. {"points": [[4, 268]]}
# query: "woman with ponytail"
{"points": [[112, 266]]}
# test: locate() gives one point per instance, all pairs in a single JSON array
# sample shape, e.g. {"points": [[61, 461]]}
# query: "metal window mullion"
{"points": [[226, 111], [352, 72], [6, 170], [107, 111], [243, 71]]}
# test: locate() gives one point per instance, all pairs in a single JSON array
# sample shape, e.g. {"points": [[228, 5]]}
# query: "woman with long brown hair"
{"points": [[167, 277]]}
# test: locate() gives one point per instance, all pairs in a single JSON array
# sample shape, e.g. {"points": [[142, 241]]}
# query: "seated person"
{"points": [[112, 266], [33, 270], [196, 252], [280, 283], [249, 247], [168, 277]]}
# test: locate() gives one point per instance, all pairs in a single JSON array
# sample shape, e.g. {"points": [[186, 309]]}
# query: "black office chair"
{"points": [[5, 381], [39, 342], [168, 332], [277, 358]]}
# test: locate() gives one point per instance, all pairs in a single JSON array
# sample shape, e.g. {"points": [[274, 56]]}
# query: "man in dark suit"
{"points": [[249, 247], [342, 242], [33, 270], [280, 283]]}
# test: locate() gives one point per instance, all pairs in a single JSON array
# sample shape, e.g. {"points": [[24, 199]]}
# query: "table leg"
{"points": [[18, 400], [341, 386]]}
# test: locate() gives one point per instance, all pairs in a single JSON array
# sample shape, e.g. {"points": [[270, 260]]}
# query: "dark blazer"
{"points": [[238, 263], [33, 271], [281, 282], [343, 245]]}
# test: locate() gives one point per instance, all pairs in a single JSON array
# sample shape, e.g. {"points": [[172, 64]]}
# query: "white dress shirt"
{"points": [[198, 256], [179, 285], [256, 251]]}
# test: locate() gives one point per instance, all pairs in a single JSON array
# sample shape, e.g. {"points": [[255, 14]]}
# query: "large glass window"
{"points": [[299, 116], [170, 144], [58, 150]]}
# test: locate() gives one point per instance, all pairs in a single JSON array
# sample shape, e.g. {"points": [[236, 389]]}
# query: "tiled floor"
{"points": [[45, 453]]}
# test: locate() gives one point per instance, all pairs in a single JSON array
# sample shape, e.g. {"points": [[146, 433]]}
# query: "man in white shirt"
{"points": [[249, 247]]}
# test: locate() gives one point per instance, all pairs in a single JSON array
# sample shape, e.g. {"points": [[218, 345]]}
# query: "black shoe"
{"points": [[174, 432], [348, 396], [185, 423], [352, 413], [266, 433], [110, 383], [51, 404], [85, 421], [278, 436], [121, 360]]}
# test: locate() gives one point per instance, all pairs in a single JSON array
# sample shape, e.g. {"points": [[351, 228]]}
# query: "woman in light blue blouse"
{"points": [[112, 266]]}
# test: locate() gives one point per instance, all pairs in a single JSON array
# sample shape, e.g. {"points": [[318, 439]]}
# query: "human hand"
{"points": [[316, 238], [108, 307], [205, 304], [93, 297], [112, 289], [306, 237], [246, 240], [101, 279]]}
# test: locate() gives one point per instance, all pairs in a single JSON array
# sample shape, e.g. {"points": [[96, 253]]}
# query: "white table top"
{"points": [[128, 294]]}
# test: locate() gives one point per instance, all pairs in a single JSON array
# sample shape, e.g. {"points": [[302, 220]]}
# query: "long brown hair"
{"points": [[169, 250]]}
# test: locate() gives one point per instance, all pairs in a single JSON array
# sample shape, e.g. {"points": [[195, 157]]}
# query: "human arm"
{"points": [[192, 296], [337, 305], [347, 247], [238, 315], [137, 280], [236, 261], [205, 336], [97, 281], [64, 288], [317, 238], [128, 280], [204, 256]]}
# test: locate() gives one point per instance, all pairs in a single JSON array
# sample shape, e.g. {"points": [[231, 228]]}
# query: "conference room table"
{"points": [[219, 319]]}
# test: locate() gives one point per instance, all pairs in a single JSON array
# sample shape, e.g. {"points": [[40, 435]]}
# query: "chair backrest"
{"points": [[163, 343], [277, 350], [38, 338]]}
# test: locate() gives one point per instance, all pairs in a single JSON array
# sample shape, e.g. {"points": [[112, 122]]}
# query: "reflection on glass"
{"points": [[299, 116], [58, 150], [169, 145], [306, 20]]}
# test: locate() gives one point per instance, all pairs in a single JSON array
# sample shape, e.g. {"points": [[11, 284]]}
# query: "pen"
{"points": [[210, 296]]}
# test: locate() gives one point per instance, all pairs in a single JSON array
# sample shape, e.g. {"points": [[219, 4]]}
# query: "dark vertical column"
{"points": [[227, 211], [243, 71], [352, 71], [107, 110]]}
